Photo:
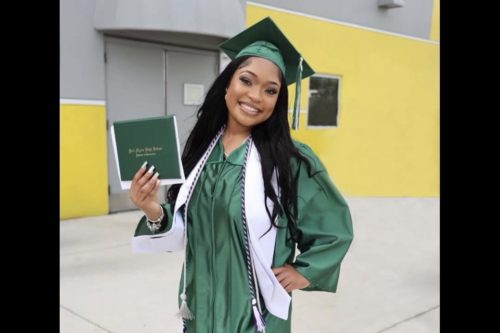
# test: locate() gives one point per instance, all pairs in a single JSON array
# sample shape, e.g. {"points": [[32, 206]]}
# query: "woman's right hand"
{"points": [[143, 192]]}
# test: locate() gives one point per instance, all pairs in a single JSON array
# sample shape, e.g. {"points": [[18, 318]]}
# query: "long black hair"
{"points": [[272, 140]]}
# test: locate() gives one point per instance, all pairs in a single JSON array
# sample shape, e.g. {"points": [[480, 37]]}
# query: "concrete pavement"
{"points": [[389, 280]]}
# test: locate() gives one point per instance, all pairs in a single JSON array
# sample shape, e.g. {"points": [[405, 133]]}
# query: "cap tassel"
{"points": [[259, 321], [184, 311], [296, 104]]}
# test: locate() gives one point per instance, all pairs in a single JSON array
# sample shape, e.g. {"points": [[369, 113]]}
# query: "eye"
{"points": [[245, 81], [272, 91]]}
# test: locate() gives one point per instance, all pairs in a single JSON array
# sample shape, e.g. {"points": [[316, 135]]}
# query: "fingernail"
{"points": [[156, 175], [151, 169], [144, 164]]}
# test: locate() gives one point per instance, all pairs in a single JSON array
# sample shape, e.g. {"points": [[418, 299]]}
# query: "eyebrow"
{"points": [[246, 70]]}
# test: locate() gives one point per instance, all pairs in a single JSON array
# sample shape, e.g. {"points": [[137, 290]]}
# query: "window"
{"points": [[323, 101]]}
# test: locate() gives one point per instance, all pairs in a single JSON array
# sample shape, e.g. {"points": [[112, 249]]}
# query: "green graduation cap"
{"points": [[264, 39]]}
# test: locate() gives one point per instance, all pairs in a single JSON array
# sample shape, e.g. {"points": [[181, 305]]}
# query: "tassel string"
{"points": [[296, 106]]}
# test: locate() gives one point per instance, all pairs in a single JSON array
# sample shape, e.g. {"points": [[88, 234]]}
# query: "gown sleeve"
{"points": [[325, 228], [142, 228]]}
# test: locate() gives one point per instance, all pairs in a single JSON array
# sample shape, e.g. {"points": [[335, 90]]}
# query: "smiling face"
{"points": [[252, 93]]}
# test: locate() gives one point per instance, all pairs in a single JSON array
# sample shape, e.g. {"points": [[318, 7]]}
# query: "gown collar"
{"points": [[236, 157]]}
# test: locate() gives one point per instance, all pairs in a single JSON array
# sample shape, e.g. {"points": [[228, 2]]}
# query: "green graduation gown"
{"points": [[217, 283]]}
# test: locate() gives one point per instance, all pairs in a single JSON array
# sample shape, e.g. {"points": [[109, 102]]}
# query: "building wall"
{"points": [[83, 166], [386, 144], [413, 19], [81, 52], [435, 21], [222, 18]]}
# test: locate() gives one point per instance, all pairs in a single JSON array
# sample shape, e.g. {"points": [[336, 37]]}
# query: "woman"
{"points": [[252, 193]]}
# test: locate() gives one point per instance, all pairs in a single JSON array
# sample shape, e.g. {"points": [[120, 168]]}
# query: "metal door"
{"points": [[135, 77], [147, 80], [199, 68]]}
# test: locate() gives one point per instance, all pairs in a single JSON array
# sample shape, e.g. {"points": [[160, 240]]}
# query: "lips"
{"points": [[249, 109]]}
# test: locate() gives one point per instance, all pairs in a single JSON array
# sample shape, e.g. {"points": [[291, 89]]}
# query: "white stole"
{"points": [[275, 296]]}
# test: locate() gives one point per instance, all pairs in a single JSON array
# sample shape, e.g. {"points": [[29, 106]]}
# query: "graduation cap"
{"points": [[264, 39]]}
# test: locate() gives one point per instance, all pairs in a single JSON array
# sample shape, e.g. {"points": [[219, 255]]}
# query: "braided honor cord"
{"points": [[259, 321]]}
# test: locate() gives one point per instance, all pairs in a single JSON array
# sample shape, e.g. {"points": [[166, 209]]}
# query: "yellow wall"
{"points": [[435, 21], [83, 162], [387, 140]]}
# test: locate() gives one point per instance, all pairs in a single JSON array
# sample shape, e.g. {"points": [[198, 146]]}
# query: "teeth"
{"points": [[248, 108]]}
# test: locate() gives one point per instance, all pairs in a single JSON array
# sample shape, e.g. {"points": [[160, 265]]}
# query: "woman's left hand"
{"points": [[289, 278]]}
